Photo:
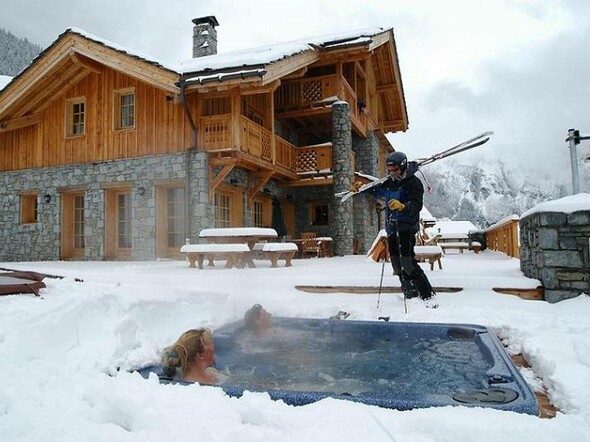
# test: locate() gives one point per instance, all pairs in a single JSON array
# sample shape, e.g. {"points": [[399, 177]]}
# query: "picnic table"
{"points": [[237, 235]]}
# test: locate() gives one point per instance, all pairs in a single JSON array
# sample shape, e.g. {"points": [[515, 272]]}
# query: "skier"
{"points": [[403, 193]]}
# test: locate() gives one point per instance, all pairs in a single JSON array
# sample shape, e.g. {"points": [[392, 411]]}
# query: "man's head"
{"points": [[397, 162], [257, 319]]}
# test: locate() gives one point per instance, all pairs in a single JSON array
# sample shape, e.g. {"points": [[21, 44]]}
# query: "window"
{"points": [[79, 222], [124, 109], [258, 213], [262, 212], [29, 208], [319, 214], [75, 117], [222, 210], [124, 220], [175, 217]]}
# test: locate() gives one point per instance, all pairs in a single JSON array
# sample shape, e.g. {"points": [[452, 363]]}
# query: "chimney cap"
{"points": [[210, 19]]}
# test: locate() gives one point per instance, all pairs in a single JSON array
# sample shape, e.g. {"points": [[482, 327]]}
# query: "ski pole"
{"points": [[401, 270], [379, 209], [381, 280]]}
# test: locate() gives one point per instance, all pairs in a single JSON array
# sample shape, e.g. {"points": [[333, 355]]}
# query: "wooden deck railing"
{"points": [[216, 135], [503, 236], [285, 154], [305, 91]]}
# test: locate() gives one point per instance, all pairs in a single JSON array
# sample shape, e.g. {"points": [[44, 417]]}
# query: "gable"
{"points": [[67, 61]]}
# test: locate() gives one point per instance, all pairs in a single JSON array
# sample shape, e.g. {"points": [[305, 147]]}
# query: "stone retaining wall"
{"points": [[554, 248]]}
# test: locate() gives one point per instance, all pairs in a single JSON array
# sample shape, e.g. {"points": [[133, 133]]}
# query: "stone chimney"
{"points": [[204, 36]]}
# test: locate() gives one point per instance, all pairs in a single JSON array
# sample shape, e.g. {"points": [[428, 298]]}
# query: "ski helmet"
{"points": [[398, 159]]}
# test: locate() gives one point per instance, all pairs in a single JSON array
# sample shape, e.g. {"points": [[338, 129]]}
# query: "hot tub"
{"points": [[399, 365]]}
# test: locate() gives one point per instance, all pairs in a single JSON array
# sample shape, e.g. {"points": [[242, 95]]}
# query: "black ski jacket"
{"points": [[410, 191]]}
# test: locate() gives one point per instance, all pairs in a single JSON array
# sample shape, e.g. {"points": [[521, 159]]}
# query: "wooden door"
{"points": [[118, 228], [73, 243], [170, 221]]}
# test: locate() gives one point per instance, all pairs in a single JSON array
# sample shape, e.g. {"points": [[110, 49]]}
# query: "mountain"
{"points": [[485, 192], [15, 53]]}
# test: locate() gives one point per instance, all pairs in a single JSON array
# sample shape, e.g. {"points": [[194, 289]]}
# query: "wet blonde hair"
{"points": [[182, 354]]}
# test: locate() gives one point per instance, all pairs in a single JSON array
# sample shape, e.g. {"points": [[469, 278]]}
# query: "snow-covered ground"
{"points": [[58, 355]]}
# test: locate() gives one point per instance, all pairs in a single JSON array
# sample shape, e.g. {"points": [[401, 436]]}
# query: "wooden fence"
{"points": [[503, 236]]}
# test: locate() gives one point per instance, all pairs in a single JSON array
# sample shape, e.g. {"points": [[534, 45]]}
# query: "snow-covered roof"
{"points": [[453, 227], [425, 215], [125, 50], [267, 54], [258, 56], [4, 80], [568, 204]]}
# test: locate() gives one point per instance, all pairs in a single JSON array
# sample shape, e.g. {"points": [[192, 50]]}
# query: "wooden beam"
{"points": [[222, 161], [215, 182], [289, 65], [380, 39], [361, 70], [25, 82], [51, 91], [87, 63], [19, 123], [249, 89], [254, 187], [299, 73], [308, 182], [141, 69], [386, 87]]}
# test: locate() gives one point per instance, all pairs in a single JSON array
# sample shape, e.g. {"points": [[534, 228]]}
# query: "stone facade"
{"points": [[342, 225], [364, 216], [41, 240], [554, 248]]}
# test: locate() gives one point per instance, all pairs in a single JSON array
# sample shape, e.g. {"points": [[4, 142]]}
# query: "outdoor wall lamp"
{"points": [[47, 198], [141, 190]]}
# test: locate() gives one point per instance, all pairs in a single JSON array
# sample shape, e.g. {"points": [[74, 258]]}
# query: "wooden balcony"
{"points": [[308, 97], [257, 148]]}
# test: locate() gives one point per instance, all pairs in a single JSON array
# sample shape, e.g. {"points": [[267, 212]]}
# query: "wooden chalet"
{"points": [[109, 154]]}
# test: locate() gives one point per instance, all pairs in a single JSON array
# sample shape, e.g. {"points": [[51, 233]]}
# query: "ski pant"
{"points": [[413, 279]]}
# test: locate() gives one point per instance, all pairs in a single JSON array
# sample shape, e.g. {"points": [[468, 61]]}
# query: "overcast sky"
{"points": [[520, 68]]}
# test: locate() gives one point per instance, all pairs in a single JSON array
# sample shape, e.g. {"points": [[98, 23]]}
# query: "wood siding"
{"points": [[160, 127]]}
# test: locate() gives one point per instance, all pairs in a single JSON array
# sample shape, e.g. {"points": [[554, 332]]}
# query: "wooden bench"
{"points": [[458, 245], [233, 253], [429, 254], [277, 250]]}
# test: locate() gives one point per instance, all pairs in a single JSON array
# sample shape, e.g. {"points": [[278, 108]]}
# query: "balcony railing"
{"points": [[294, 94], [216, 134]]}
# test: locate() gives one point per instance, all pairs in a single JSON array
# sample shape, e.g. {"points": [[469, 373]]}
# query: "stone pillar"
{"points": [[342, 166], [203, 210], [365, 223]]}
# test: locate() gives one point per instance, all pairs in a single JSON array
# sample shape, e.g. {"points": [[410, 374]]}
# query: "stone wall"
{"points": [[554, 248], [41, 240]]}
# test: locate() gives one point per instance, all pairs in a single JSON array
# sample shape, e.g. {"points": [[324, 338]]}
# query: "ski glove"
{"points": [[355, 187], [396, 205]]}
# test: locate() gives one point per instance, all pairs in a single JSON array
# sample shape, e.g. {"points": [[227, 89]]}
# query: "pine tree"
{"points": [[15, 53]]}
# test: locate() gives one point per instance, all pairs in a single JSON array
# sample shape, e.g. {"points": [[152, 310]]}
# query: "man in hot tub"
{"points": [[257, 320]]}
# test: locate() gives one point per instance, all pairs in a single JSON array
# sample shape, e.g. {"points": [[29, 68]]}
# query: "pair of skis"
{"points": [[461, 147]]}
